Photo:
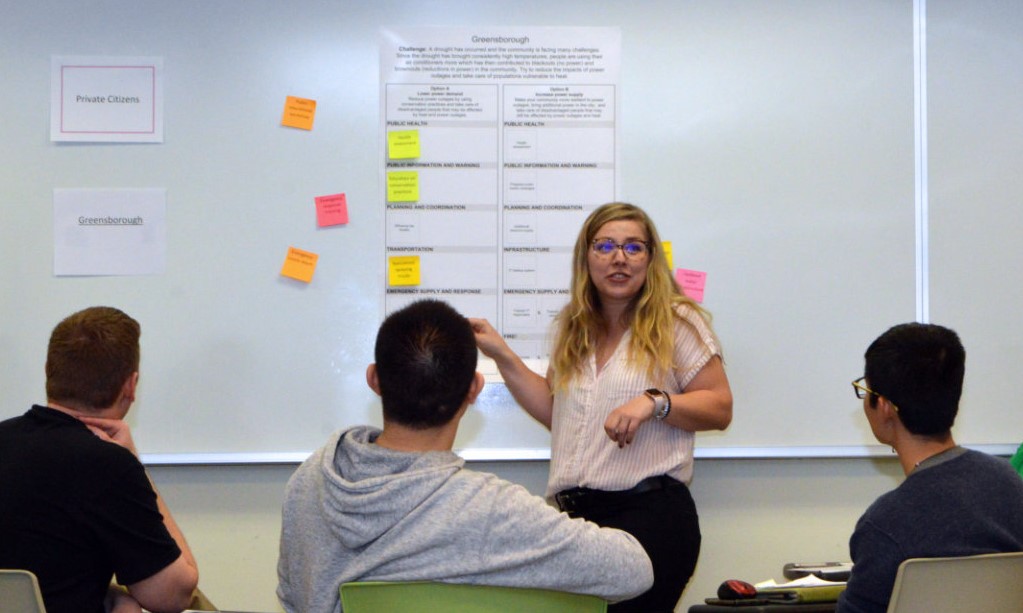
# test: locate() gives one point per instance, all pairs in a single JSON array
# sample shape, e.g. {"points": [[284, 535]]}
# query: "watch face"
{"points": [[653, 391]]}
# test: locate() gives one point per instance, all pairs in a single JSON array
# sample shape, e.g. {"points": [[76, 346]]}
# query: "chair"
{"points": [[989, 582], [428, 597], [19, 592]]}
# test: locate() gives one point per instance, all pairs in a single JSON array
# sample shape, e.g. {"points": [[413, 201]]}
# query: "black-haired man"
{"points": [[954, 501], [398, 505]]}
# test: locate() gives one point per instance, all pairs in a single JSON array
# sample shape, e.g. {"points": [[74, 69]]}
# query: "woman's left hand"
{"points": [[623, 422]]}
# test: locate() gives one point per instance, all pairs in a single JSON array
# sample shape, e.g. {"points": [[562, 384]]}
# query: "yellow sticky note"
{"points": [[403, 186], [299, 264], [667, 253], [299, 113], [403, 144], [403, 270]]}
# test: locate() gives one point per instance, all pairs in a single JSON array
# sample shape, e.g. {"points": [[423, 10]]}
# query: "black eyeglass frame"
{"points": [[862, 391]]}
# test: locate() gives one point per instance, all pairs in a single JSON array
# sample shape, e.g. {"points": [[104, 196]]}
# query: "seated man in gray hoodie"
{"points": [[398, 505]]}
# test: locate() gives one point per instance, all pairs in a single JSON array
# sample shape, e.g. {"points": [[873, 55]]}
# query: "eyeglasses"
{"points": [[632, 249], [862, 391]]}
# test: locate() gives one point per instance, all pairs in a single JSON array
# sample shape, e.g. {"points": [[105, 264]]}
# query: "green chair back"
{"points": [[428, 597]]}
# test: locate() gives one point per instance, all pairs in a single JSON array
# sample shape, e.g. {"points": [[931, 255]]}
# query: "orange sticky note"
{"points": [[299, 264], [403, 270], [692, 283], [299, 113], [331, 210], [403, 186]]}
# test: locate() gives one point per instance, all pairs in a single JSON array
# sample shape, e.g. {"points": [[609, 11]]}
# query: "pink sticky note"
{"points": [[692, 282], [331, 210]]}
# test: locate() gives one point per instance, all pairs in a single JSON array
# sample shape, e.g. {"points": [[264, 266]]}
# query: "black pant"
{"points": [[666, 524]]}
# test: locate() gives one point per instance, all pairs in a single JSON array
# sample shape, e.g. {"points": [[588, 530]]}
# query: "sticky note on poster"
{"points": [[299, 113], [331, 210], [403, 186], [403, 270], [403, 144], [667, 254], [692, 283], [299, 265]]}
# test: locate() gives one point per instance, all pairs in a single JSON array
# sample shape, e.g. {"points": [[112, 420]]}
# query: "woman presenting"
{"points": [[635, 370]]}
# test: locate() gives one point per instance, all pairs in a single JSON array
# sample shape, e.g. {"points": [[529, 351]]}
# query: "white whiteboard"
{"points": [[773, 142], [976, 204]]}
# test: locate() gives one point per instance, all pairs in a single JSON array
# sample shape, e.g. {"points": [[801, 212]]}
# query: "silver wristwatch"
{"points": [[662, 402]]}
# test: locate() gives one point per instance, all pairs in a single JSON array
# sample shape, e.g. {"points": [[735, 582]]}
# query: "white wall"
{"points": [[756, 515]]}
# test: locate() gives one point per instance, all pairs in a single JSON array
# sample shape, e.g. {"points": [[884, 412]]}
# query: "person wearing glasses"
{"points": [[954, 501], [635, 370]]}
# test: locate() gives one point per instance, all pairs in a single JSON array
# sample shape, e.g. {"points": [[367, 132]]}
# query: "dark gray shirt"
{"points": [[959, 503]]}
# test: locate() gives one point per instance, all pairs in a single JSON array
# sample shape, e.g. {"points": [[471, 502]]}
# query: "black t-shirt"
{"points": [[76, 510]]}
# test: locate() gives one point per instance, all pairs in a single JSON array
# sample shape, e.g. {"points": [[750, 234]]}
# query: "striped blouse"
{"points": [[582, 455]]}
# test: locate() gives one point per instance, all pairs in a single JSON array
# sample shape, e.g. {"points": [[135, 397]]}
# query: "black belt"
{"points": [[578, 499]]}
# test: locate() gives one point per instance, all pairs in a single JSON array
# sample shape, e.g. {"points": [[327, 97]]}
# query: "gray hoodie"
{"points": [[355, 511]]}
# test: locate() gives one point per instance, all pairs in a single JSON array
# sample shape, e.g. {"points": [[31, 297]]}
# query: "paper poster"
{"points": [[106, 99], [331, 210], [299, 265], [500, 140], [667, 254], [109, 232], [299, 113]]}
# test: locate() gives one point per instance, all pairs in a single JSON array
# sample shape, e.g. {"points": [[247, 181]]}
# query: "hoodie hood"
{"points": [[373, 488]]}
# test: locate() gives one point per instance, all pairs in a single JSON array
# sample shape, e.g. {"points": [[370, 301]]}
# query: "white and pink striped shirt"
{"points": [[582, 455]]}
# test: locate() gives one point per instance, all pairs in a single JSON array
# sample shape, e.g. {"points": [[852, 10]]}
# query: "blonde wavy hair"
{"points": [[652, 314]]}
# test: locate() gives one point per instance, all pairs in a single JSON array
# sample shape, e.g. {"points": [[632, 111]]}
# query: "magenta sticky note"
{"points": [[331, 210], [692, 282]]}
